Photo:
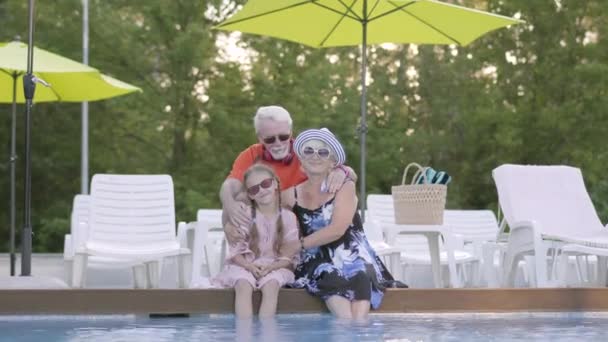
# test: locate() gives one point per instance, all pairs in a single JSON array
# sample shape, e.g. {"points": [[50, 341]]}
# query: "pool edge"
{"points": [[166, 301]]}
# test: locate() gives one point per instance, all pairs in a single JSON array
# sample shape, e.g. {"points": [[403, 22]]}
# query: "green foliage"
{"points": [[533, 93]]}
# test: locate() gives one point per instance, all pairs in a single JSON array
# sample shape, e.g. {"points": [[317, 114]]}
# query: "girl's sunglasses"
{"points": [[265, 184], [272, 139], [322, 152]]}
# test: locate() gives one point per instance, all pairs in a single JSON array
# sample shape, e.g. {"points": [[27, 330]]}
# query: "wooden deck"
{"points": [[170, 301]]}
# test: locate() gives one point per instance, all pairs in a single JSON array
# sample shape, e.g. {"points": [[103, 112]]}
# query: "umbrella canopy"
{"points": [[325, 23], [68, 81], [329, 23]]}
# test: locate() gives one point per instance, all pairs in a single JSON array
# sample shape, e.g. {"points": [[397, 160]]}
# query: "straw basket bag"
{"points": [[419, 203]]}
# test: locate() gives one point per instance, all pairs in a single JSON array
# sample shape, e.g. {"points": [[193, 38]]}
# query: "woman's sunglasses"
{"points": [[265, 184], [272, 139], [322, 152]]}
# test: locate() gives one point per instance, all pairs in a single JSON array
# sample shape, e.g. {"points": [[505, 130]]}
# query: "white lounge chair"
{"points": [[590, 264], [79, 231], [79, 227], [547, 208], [132, 218]]}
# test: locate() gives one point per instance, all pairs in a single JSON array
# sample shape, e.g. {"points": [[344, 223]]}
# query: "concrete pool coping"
{"points": [[172, 301]]}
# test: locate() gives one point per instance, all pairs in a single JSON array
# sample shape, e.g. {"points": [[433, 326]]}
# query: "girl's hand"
{"points": [[268, 269], [255, 270]]}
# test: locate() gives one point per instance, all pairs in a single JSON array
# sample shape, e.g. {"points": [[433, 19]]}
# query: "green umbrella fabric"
{"points": [[69, 81], [330, 23]]}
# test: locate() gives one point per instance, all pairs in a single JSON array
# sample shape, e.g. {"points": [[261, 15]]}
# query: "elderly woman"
{"points": [[337, 262]]}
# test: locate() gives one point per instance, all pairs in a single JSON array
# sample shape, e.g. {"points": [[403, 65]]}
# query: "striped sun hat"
{"points": [[323, 135]]}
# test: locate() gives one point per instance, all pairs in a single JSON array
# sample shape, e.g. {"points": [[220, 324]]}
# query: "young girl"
{"points": [[258, 261]]}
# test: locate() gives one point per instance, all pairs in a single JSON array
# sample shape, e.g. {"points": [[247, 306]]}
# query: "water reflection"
{"points": [[244, 329], [311, 328], [263, 329], [271, 332]]}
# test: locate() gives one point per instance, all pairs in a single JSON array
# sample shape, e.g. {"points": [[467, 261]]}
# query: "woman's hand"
{"points": [[291, 248]]}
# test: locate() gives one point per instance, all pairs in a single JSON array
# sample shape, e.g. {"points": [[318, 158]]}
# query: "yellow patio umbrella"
{"points": [[69, 81], [66, 80], [329, 23]]}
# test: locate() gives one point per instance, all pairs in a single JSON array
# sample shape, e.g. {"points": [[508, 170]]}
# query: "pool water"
{"points": [[311, 327]]}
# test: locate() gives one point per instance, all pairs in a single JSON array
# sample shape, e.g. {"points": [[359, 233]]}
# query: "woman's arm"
{"points": [[345, 206], [288, 199], [288, 257]]}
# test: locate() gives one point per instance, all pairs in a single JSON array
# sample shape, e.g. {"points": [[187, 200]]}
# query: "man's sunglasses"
{"points": [[265, 184], [272, 139], [322, 152]]}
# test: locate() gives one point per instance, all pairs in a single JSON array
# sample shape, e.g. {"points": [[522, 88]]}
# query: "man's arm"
{"points": [[234, 211], [229, 190], [350, 173], [338, 176]]}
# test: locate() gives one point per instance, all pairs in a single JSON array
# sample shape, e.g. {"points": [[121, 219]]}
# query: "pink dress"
{"points": [[266, 232]]}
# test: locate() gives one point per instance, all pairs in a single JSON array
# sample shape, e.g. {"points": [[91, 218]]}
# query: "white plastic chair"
{"points": [[205, 238], [479, 230], [418, 250], [548, 207], [79, 230], [216, 243], [131, 219], [390, 255]]}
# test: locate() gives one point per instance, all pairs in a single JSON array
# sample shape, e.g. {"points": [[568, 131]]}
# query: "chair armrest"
{"points": [[458, 241], [383, 248], [182, 233], [68, 250], [524, 225], [502, 234]]}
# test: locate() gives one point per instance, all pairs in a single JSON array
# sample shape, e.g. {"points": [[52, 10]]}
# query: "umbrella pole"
{"points": [[363, 126], [12, 160], [84, 143], [29, 87]]}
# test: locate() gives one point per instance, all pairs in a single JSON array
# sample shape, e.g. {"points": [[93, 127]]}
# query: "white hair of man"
{"points": [[274, 113]]}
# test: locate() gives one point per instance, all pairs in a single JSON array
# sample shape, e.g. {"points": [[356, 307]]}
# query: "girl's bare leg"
{"points": [[270, 297], [243, 306]]}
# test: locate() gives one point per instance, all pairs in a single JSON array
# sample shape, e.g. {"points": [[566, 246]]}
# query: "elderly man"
{"points": [[273, 126]]}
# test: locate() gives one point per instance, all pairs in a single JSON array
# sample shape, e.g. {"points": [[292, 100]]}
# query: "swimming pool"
{"points": [[575, 326]]}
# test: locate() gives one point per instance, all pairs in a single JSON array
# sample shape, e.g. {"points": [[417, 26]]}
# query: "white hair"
{"points": [[274, 113]]}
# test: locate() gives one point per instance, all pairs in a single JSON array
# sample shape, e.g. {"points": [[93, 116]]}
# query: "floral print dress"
{"points": [[347, 267]]}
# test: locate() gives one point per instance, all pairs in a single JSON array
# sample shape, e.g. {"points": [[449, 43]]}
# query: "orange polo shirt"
{"points": [[289, 175]]}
